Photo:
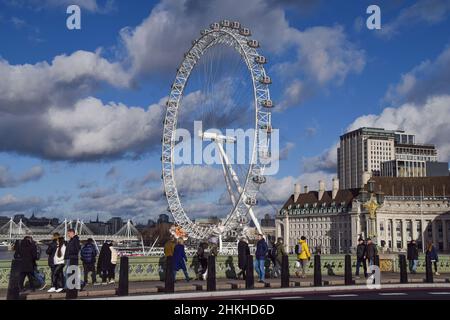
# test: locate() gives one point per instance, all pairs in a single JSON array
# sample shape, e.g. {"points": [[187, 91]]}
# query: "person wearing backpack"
{"points": [[58, 262], [303, 255], [278, 252], [88, 256], [361, 253], [202, 255]]}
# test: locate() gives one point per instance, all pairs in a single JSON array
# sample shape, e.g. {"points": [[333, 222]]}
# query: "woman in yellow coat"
{"points": [[303, 255]]}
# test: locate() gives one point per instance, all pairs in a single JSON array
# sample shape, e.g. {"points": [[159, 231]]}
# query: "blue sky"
{"points": [[80, 111]]}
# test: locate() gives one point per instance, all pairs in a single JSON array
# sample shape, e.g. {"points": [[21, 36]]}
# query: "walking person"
{"points": [[71, 256], [26, 253], [260, 258], [412, 256], [51, 250], [112, 269], [361, 255], [58, 262], [104, 262], [243, 253], [278, 252], [202, 255], [88, 256], [303, 256], [432, 254], [372, 252], [179, 260]]}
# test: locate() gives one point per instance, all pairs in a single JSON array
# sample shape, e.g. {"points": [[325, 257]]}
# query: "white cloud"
{"points": [[8, 180], [423, 11], [427, 79], [429, 121]]}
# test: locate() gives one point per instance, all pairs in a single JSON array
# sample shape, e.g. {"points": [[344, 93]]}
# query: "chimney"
{"points": [[321, 189], [335, 187], [306, 189], [297, 191]]}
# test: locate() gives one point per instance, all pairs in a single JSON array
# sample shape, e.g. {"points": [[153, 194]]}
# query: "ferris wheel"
{"points": [[242, 187]]}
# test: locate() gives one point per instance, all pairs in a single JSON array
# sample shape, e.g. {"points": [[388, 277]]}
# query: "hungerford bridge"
{"points": [[12, 231]]}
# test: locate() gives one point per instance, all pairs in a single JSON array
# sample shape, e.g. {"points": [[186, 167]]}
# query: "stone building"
{"points": [[390, 210]]}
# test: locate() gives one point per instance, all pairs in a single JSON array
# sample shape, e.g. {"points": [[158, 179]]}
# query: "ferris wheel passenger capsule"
{"points": [[245, 32], [236, 25], [225, 23], [259, 179], [251, 201], [215, 26], [267, 104], [253, 43], [261, 60], [266, 80], [203, 32]]}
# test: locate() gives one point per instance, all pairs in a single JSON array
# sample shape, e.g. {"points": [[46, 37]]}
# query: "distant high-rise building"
{"points": [[363, 150], [115, 224], [163, 218], [381, 152]]}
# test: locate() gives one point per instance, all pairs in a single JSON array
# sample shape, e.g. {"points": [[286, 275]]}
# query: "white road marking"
{"points": [[393, 294], [439, 293], [286, 298], [342, 295]]}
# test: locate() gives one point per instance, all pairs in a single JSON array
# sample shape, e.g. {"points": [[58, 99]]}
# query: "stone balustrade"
{"points": [[151, 268]]}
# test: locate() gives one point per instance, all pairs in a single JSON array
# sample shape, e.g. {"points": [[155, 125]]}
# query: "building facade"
{"points": [[387, 153], [405, 209], [363, 150]]}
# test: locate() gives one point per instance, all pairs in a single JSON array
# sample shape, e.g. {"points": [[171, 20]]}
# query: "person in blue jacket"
{"points": [[179, 260], [432, 254], [260, 257]]}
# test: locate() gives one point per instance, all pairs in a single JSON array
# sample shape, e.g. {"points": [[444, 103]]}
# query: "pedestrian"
{"points": [[243, 253], [179, 260], [71, 256], [51, 250], [88, 257], [112, 269], [202, 255], [104, 262], [361, 255], [260, 258], [26, 253], [58, 262], [371, 252], [271, 254], [169, 246], [431, 253], [278, 252], [412, 256], [303, 255]]}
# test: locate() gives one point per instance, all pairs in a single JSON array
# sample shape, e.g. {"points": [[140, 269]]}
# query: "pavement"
{"points": [[233, 288]]}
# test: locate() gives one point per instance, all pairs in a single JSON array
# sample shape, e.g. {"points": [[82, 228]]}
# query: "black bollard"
{"points": [[428, 270], [250, 279], [403, 273], [285, 272], [348, 270], [377, 261], [317, 271], [211, 276], [169, 280], [13, 285], [123, 277]]}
